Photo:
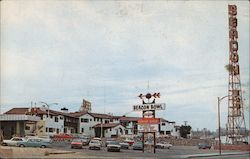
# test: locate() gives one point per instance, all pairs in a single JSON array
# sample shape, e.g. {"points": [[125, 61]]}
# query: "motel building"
{"points": [[169, 128], [43, 122], [36, 121], [92, 124], [16, 123]]}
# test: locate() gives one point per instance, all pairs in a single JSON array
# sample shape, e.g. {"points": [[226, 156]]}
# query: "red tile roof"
{"points": [[25, 111], [106, 125], [78, 114], [17, 111], [97, 115], [37, 110]]}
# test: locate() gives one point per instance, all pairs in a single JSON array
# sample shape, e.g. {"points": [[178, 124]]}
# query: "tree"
{"points": [[229, 67], [185, 130]]}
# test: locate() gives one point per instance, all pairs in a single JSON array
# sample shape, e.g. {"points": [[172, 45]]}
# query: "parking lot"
{"points": [[173, 152], [63, 150]]}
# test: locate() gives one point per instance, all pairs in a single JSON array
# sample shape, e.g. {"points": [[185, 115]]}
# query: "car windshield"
{"points": [[114, 142], [138, 143], [77, 140], [94, 141]]}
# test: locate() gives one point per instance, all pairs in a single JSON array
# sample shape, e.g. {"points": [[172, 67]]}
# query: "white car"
{"points": [[13, 141], [114, 146], [124, 145], [95, 144], [163, 145]]}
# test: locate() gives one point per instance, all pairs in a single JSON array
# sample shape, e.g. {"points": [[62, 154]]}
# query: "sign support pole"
{"points": [[143, 142], [154, 142]]}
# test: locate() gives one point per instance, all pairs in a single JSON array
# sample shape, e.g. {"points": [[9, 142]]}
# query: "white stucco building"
{"points": [[168, 128]]}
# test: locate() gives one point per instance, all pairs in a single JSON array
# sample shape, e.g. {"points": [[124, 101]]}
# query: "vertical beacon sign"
{"points": [[233, 36]]}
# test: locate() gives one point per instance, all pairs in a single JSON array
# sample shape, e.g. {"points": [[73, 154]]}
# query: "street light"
{"points": [[48, 105], [219, 100]]}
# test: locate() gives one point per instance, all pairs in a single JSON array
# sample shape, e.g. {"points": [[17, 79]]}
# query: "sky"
{"points": [[108, 52]]}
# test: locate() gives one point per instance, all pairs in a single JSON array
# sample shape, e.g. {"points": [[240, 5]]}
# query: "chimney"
{"points": [[65, 110]]}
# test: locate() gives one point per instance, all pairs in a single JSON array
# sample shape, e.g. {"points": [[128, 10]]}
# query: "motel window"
{"points": [[168, 132], [46, 129], [82, 130], [83, 120], [89, 128], [27, 128], [65, 130], [111, 120], [50, 129], [97, 119], [61, 117], [126, 132], [56, 119], [94, 119], [106, 121], [163, 124], [57, 131], [90, 119]]}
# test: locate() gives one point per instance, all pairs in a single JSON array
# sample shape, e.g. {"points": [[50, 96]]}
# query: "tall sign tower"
{"points": [[236, 127]]}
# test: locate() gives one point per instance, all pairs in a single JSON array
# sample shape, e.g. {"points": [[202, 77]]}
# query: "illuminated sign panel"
{"points": [[149, 121]]}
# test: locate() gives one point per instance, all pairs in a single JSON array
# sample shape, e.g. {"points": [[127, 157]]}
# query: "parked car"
{"points": [[13, 141], [204, 146], [76, 143], [94, 144], [85, 141], [129, 141], [44, 138], [109, 141], [63, 136], [137, 146], [97, 138], [33, 142], [114, 146], [124, 145], [163, 145]]}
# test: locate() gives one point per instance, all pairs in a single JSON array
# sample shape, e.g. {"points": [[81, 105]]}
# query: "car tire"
{"points": [[43, 146], [21, 145]]}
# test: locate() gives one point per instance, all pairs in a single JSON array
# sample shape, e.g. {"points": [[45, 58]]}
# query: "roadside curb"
{"points": [[212, 155], [61, 152]]}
